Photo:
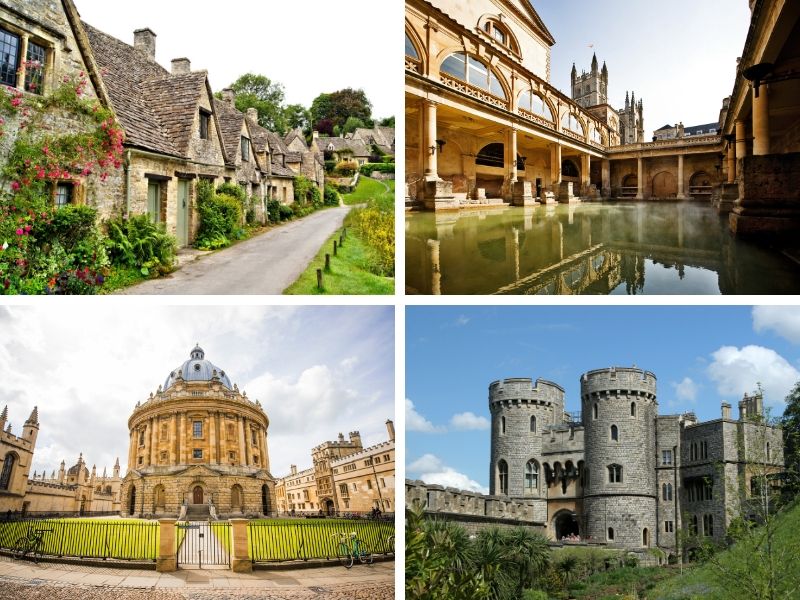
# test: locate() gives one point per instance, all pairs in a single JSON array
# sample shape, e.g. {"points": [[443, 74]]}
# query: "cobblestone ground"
{"points": [[37, 589]]}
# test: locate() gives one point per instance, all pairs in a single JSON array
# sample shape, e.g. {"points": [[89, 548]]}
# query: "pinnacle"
{"points": [[4, 414], [34, 418]]}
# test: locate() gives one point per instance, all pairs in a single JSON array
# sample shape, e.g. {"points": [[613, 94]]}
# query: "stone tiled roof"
{"points": [[230, 123], [276, 143], [357, 147], [295, 134], [279, 170], [174, 100], [293, 157], [695, 129], [259, 136]]}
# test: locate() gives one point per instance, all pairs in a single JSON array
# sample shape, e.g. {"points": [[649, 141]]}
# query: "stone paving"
{"points": [[21, 580]]}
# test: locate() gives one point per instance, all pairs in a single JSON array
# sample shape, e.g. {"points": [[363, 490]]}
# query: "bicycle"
{"points": [[350, 549], [30, 542]]}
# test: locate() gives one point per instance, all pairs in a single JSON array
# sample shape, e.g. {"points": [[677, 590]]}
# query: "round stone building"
{"points": [[198, 443]]}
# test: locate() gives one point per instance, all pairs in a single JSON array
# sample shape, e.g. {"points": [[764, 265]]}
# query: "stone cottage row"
{"points": [[176, 132]]}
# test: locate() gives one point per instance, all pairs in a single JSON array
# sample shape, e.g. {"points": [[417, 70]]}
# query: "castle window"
{"points": [[5, 476], [614, 433], [474, 72], [9, 58], [502, 471], [197, 453], [666, 457], [533, 425], [197, 429], [377, 460], [669, 526], [503, 425], [410, 49], [610, 534], [633, 404], [666, 491], [645, 537], [531, 477], [205, 118], [768, 453], [708, 490], [703, 449], [708, 525], [594, 411], [693, 526], [615, 474]]}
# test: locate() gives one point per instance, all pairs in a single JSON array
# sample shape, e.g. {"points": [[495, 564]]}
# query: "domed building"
{"points": [[198, 442]]}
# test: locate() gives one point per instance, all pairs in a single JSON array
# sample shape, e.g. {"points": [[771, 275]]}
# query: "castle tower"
{"points": [[631, 120], [3, 418], [30, 430], [520, 411], [590, 89], [62, 472], [619, 411], [116, 468]]}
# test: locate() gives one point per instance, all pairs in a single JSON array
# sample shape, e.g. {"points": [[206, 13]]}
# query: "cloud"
{"points": [[469, 421], [737, 371], [462, 320], [686, 390], [416, 422], [782, 320], [430, 469]]}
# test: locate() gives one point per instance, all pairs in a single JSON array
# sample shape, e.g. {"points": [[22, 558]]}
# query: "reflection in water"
{"points": [[609, 248]]}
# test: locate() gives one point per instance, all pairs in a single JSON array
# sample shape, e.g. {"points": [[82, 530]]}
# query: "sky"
{"points": [[310, 48], [317, 371], [701, 356], [679, 56]]}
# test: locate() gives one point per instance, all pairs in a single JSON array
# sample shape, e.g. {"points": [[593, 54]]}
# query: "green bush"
{"points": [[139, 243], [68, 226], [347, 168], [274, 211], [231, 189], [331, 195], [286, 212], [375, 225], [220, 217], [330, 165], [370, 168]]}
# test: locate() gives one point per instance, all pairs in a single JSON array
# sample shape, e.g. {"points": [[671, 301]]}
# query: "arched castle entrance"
{"points": [[565, 524]]}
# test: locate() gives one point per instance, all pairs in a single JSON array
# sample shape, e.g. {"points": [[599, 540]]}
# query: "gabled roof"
{"points": [[295, 134], [278, 170], [259, 136], [276, 143], [230, 123], [357, 147]]}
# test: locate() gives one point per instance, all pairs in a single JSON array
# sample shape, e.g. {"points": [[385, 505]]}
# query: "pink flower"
{"points": [[14, 186], [19, 232]]}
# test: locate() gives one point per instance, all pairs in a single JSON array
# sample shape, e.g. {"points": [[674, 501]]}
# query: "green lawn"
{"points": [[301, 539], [351, 269], [88, 538]]}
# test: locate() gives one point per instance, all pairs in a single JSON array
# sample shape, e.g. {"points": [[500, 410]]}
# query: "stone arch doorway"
{"points": [[665, 185], [197, 495], [264, 499], [329, 508], [132, 500], [630, 181], [82, 509], [565, 524]]}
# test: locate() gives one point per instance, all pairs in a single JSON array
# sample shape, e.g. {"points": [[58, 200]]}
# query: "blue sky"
{"points": [[702, 356], [678, 56]]}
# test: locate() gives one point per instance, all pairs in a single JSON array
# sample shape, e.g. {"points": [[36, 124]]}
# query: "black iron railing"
{"points": [[201, 544], [285, 540], [85, 538]]}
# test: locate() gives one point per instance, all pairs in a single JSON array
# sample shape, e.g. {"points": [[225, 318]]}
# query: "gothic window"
{"points": [[9, 58], [666, 492], [533, 425], [533, 102], [474, 72], [571, 122], [197, 429], [410, 49], [610, 535], [531, 477], [693, 527], [614, 433], [615, 474], [669, 526], [502, 470], [708, 525], [5, 476], [205, 119]]}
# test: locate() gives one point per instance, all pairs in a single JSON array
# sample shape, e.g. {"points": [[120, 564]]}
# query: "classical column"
{"points": [[640, 179], [173, 446], [154, 441], [182, 439], [731, 162], [606, 175], [242, 443], [586, 174], [512, 165], [761, 121], [212, 438], [429, 143], [223, 439], [741, 143], [264, 451], [681, 195], [132, 450], [555, 166], [147, 435]]}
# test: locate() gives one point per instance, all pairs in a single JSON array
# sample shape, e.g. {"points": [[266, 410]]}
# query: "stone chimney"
{"points": [[252, 114], [726, 410], [144, 40], [181, 66], [229, 96], [315, 135], [293, 469], [390, 429]]}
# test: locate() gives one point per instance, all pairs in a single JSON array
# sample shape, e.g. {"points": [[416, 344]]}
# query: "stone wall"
{"points": [[769, 196]]}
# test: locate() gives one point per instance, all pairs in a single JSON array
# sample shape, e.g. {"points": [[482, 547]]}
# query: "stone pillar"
{"points": [[761, 121], [731, 162], [173, 451], [640, 179], [555, 167], [436, 271], [265, 444], [741, 143], [606, 174], [242, 442], [23, 54], [681, 194], [429, 143], [147, 435], [212, 438], [586, 174], [154, 441], [167, 560], [240, 559], [512, 163], [182, 439], [132, 450]]}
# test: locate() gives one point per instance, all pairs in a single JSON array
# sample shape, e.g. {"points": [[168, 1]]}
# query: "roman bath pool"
{"points": [[589, 248]]}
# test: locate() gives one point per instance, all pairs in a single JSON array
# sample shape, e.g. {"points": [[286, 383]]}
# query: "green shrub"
{"points": [[347, 168], [370, 168], [139, 243], [231, 189], [375, 225], [274, 211], [68, 226], [330, 165], [286, 212], [331, 195], [220, 216]]}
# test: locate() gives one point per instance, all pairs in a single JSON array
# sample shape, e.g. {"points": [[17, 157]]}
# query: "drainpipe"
{"points": [[127, 184]]}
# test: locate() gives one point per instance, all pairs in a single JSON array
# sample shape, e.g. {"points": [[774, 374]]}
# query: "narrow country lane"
{"points": [[266, 264]]}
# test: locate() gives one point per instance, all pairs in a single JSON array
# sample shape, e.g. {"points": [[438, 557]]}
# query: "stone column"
{"points": [[242, 443], [586, 174], [429, 143], [512, 165], [148, 434], [640, 179], [23, 54], [681, 195], [223, 439], [240, 559], [731, 162], [212, 438], [741, 143], [132, 450], [173, 450], [154, 441], [555, 167], [167, 560], [606, 174], [761, 121], [182, 439]]}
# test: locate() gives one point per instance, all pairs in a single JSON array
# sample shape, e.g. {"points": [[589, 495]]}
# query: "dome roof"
{"points": [[197, 368], [73, 470]]}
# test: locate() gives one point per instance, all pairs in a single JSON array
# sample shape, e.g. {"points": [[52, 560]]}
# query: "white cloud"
{"points": [[462, 320], [430, 469], [782, 320], [686, 390], [416, 422], [737, 371], [469, 421]]}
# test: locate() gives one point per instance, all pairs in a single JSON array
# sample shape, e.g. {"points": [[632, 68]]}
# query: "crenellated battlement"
{"points": [[618, 380], [524, 391]]}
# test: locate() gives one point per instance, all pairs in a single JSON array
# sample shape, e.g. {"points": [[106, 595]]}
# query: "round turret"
{"points": [[619, 410], [520, 410]]}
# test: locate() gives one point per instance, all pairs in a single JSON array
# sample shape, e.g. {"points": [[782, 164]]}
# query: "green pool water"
{"points": [[589, 248]]}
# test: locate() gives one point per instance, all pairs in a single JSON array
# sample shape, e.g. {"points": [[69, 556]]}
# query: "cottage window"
{"points": [[245, 148], [63, 194], [205, 119], [9, 58]]}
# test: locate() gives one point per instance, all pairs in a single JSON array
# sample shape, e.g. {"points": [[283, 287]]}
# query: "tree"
{"points": [[352, 124], [266, 96], [791, 440], [387, 122], [340, 105], [296, 115]]}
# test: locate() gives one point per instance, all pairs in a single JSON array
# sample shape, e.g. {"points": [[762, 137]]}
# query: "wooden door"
{"points": [[183, 213], [198, 495], [154, 201]]}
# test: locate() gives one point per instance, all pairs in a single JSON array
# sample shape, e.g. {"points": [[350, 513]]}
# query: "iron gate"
{"points": [[203, 544]]}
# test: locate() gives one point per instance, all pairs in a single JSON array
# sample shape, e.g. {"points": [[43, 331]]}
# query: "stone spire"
{"points": [[3, 417], [594, 63], [627, 101], [116, 468], [574, 73], [34, 418], [604, 72]]}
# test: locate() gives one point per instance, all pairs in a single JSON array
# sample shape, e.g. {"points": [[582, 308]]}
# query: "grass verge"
{"points": [[366, 190]]}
